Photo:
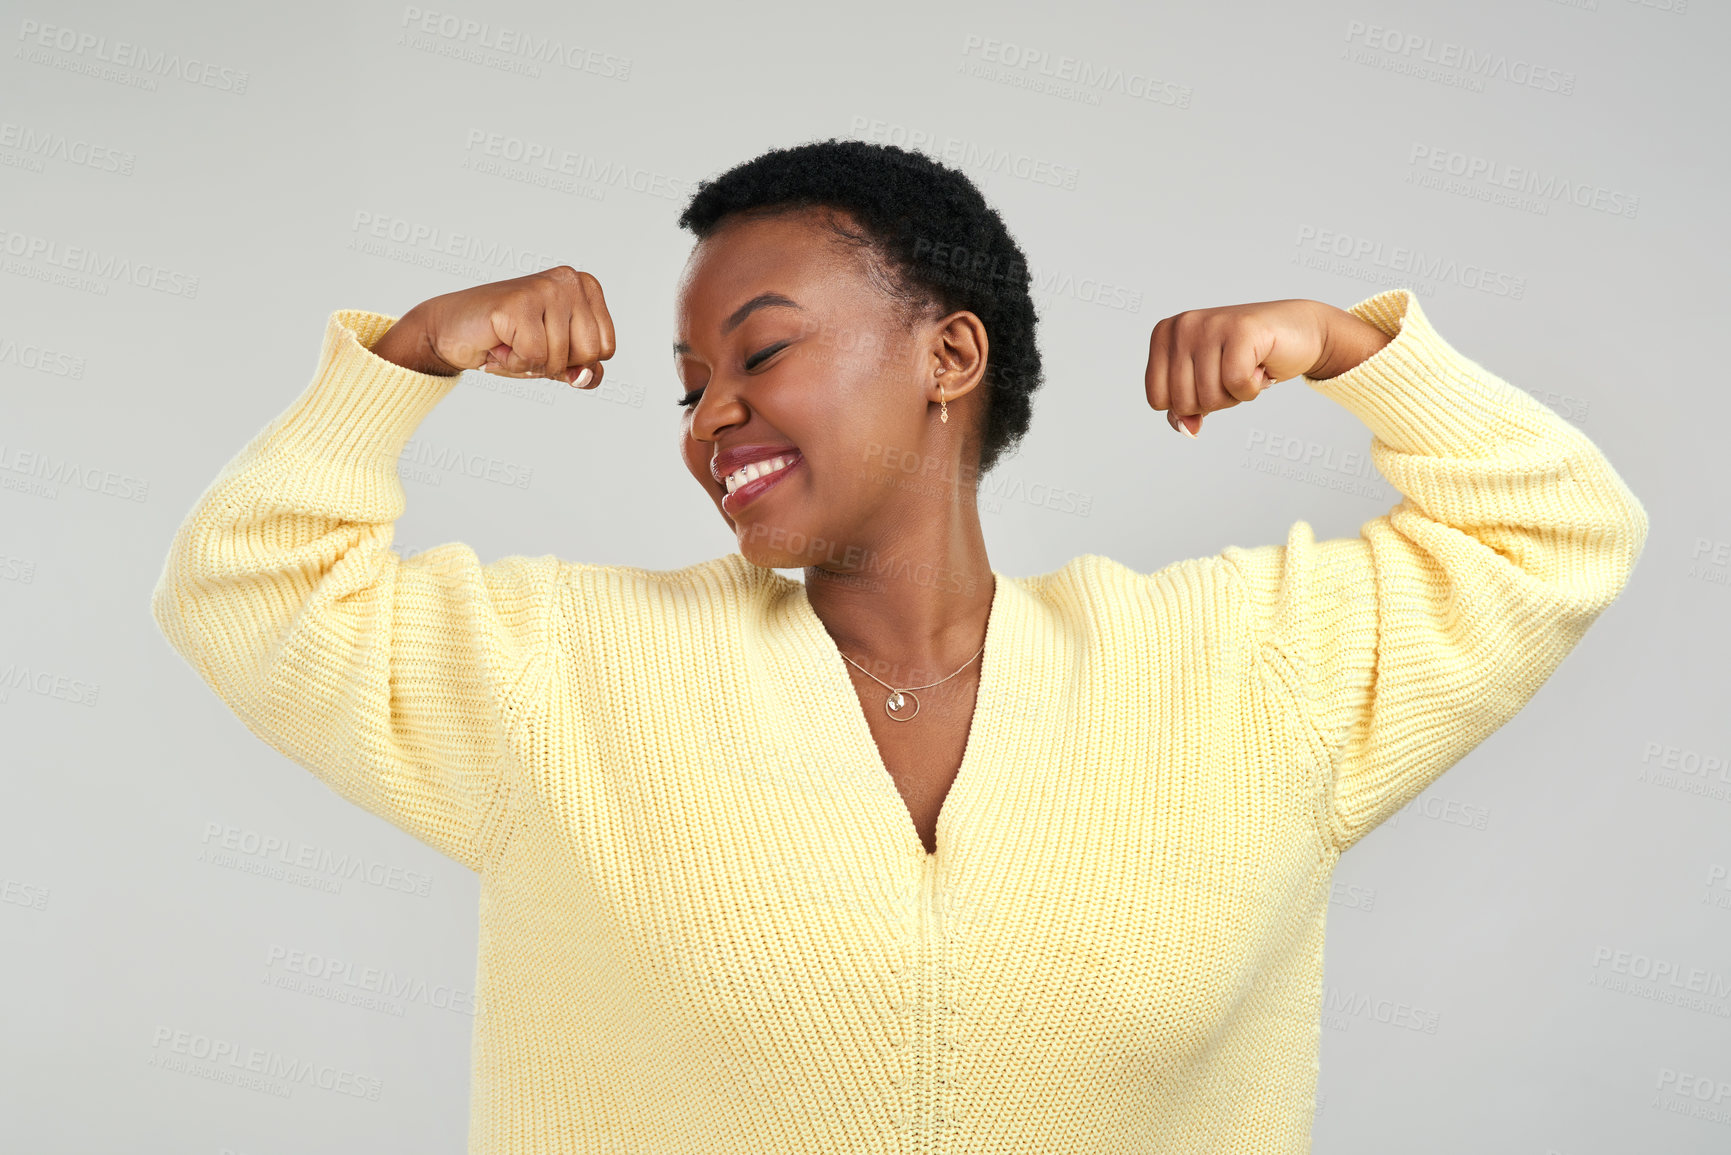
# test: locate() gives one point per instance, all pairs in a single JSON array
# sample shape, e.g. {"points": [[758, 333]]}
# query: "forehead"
{"points": [[793, 252]]}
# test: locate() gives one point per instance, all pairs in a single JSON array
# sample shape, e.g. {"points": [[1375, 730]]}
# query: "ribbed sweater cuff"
{"points": [[360, 409], [1420, 395]]}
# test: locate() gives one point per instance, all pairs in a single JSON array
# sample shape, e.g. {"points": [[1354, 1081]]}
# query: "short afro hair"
{"points": [[928, 228]]}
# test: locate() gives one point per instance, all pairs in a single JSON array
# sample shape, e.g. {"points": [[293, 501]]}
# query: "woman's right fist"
{"points": [[549, 324]]}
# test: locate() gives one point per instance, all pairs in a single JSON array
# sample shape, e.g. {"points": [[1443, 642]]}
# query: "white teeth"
{"points": [[756, 470]]}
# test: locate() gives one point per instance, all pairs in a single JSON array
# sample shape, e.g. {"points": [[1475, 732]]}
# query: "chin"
{"points": [[768, 553], [779, 545], [770, 560]]}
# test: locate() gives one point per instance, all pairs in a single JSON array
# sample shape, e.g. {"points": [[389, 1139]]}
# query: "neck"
{"points": [[914, 609]]}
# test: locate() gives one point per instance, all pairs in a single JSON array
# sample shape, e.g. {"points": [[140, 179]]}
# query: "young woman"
{"points": [[913, 855]]}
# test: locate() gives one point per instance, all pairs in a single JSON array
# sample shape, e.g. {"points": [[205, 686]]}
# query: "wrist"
{"points": [[408, 344], [1347, 342]]}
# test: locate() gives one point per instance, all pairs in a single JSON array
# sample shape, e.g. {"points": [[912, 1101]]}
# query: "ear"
{"points": [[958, 356]]}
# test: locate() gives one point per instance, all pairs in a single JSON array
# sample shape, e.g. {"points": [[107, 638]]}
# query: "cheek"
{"points": [[879, 440], [699, 469]]}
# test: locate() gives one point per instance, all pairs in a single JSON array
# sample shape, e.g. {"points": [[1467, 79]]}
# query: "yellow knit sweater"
{"points": [[707, 923]]}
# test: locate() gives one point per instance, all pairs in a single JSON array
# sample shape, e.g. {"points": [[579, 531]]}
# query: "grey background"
{"points": [[1537, 950]]}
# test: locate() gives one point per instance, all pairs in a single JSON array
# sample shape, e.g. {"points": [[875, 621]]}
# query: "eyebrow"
{"points": [[738, 316]]}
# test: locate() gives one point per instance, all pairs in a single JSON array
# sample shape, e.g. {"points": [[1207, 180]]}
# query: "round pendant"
{"points": [[898, 701]]}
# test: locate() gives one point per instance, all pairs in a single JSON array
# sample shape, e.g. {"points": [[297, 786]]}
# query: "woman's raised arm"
{"points": [[400, 683], [1402, 649]]}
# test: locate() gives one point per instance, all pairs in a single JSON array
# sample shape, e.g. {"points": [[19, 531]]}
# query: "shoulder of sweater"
{"points": [[720, 572], [1092, 571], [1095, 592], [728, 577]]}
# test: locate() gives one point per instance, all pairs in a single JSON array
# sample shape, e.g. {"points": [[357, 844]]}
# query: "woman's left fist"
{"points": [[1201, 360]]}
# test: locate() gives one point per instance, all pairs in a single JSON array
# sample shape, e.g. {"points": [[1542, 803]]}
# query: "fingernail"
{"points": [[1185, 429], [583, 378]]}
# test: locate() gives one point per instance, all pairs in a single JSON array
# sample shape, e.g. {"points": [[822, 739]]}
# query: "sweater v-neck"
{"points": [[811, 673]]}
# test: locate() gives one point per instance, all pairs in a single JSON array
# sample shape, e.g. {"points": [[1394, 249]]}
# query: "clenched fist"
{"points": [[1201, 360], [548, 324]]}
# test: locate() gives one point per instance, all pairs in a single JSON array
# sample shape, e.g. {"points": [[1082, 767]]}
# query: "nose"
{"points": [[716, 410]]}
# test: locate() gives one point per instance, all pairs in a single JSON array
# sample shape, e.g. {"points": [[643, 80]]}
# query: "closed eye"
{"points": [[751, 363], [763, 355]]}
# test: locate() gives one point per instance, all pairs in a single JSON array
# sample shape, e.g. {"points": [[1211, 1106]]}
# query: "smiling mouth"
{"points": [[749, 473], [747, 484]]}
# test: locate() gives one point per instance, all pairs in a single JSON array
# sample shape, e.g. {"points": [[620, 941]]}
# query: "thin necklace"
{"points": [[899, 699]]}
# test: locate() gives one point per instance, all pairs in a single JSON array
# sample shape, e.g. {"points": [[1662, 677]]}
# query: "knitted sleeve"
{"points": [[396, 681], [1403, 648]]}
